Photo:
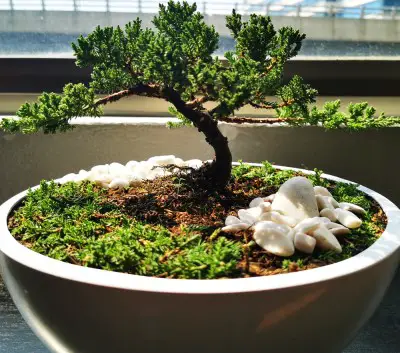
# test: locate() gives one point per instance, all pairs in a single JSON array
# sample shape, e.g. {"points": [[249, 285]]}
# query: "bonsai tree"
{"points": [[134, 230], [175, 62]]}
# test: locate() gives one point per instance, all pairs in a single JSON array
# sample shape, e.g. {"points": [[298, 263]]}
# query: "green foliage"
{"points": [[254, 71], [53, 112], [358, 117], [183, 121], [166, 57], [349, 193], [73, 223], [287, 263], [317, 179], [266, 172]]}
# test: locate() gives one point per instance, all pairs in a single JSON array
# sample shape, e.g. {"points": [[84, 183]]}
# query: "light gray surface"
{"points": [[323, 28], [366, 157], [381, 335]]}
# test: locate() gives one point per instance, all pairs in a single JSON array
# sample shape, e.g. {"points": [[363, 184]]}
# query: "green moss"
{"points": [[77, 223], [266, 172], [73, 223]]}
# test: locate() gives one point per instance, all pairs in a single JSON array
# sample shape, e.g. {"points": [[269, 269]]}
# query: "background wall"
{"points": [[368, 157]]}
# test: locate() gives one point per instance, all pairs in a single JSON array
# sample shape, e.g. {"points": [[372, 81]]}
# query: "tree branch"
{"points": [[269, 67], [139, 90], [197, 102], [272, 106], [242, 120]]}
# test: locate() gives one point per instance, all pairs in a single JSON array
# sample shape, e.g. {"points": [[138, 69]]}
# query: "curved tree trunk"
{"points": [[221, 167]]}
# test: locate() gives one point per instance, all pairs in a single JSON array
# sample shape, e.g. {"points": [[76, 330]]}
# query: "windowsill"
{"points": [[152, 107]]}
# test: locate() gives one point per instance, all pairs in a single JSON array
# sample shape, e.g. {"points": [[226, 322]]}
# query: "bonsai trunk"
{"points": [[220, 169], [222, 165]]}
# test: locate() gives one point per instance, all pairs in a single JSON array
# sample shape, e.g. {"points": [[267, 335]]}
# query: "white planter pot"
{"points": [[85, 310]]}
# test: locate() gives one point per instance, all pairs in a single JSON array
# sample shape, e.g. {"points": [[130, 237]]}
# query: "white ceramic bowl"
{"points": [[85, 310]]}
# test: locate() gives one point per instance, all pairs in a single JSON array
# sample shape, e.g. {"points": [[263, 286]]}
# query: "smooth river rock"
{"points": [[296, 198], [270, 238]]}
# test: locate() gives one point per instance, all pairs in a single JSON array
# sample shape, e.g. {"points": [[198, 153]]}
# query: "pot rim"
{"points": [[384, 247]]}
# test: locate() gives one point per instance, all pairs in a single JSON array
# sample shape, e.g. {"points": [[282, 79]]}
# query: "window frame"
{"points": [[331, 77]]}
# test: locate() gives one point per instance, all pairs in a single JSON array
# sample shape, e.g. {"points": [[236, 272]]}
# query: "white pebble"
{"points": [[304, 243], [332, 225], [324, 202], [131, 172], [296, 198], [67, 178], [250, 215], [334, 202], [247, 216], [117, 170], [307, 225], [328, 213], [93, 175], [82, 175], [256, 202], [179, 162], [232, 220], [194, 163], [119, 183], [131, 165], [103, 182], [338, 231], [325, 239], [347, 218], [269, 224], [234, 228], [323, 220], [105, 178], [278, 218], [156, 172], [267, 216], [100, 169], [269, 198], [291, 234], [320, 190], [142, 170], [265, 206], [351, 207], [274, 241], [162, 160]]}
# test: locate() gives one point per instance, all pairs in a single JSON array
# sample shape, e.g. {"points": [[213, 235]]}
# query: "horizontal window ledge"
{"points": [[153, 107], [329, 77]]}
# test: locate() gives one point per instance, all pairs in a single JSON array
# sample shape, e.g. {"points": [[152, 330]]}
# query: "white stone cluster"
{"points": [[299, 216], [117, 176]]}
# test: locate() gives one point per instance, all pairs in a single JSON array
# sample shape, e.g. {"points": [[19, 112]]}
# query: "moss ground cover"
{"points": [[169, 227]]}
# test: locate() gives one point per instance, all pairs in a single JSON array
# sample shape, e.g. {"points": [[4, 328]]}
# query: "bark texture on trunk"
{"points": [[221, 167]]}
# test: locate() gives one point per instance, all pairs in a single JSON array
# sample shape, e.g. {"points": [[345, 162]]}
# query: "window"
{"points": [[347, 28], [35, 38]]}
